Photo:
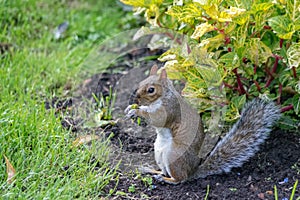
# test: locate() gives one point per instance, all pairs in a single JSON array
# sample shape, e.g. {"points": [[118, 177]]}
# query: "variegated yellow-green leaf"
{"points": [[242, 19], [234, 11], [139, 3], [201, 29], [10, 170], [282, 26], [231, 60], [261, 7], [152, 14], [236, 102], [293, 10], [212, 11], [213, 42], [195, 89], [171, 67], [142, 3], [211, 75], [293, 55], [225, 15], [230, 28], [168, 55], [187, 13], [257, 51], [282, 1], [175, 11]]}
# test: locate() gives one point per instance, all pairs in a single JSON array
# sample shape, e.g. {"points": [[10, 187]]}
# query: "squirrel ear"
{"points": [[163, 75], [153, 70]]}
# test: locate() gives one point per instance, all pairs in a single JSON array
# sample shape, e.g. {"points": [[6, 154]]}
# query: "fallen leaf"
{"points": [[269, 192], [84, 139], [11, 172]]}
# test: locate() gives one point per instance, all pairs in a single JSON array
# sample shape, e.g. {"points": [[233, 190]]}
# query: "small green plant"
{"points": [[207, 193], [147, 180], [105, 105], [236, 50], [131, 189]]}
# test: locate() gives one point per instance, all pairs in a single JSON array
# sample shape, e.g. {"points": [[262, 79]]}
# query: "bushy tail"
{"points": [[243, 139]]}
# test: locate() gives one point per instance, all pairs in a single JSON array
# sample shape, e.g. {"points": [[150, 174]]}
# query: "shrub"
{"points": [[237, 50]]}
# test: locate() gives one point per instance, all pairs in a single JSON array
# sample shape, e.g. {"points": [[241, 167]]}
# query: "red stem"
{"points": [[271, 78], [275, 64], [269, 81], [227, 85], [239, 82], [280, 43], [188, 49], [257, 85], [287, 108], [294, 72], [255, 68]]}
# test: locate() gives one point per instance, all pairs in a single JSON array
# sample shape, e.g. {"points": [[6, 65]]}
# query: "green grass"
{"points": [[37, 68]]}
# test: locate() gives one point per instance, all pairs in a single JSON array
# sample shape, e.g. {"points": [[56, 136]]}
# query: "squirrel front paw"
{"points": [[131, 111]]}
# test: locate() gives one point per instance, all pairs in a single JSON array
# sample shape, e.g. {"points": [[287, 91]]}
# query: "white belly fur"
{"points": [[162, 146]]}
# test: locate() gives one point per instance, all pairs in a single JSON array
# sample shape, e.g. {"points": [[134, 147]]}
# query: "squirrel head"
{"points": [[150, 89]]}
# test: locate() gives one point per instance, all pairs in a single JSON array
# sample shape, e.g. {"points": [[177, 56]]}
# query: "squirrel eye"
{"points": [[151, 90]]}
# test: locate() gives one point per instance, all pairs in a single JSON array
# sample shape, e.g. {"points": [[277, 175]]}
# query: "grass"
{"points": [[36, 68]]}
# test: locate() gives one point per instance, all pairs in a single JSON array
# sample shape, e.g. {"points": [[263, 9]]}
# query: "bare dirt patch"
{"points": [[277, 162]]}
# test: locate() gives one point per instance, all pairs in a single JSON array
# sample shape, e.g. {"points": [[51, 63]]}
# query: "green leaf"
{"points": [[238, 101], [142, 3], [226, 15], [213, 42], [212, 77], [231, 60], [201, 29], [187, 13], [293, 10], [293, 55], [282, 26], [264, 7], [257, 51]]}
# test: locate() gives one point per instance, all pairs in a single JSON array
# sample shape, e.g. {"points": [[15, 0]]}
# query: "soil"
{"points": [[277, 162]]}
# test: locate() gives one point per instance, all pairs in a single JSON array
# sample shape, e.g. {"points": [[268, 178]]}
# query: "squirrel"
{"points": [[180, 133]]}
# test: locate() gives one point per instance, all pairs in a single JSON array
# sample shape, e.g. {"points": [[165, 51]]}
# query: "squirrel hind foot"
{"points": [[158, 175], [170, 180]]}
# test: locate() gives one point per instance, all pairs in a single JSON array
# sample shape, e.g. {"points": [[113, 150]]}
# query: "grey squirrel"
{"points": [[180, 133]]}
